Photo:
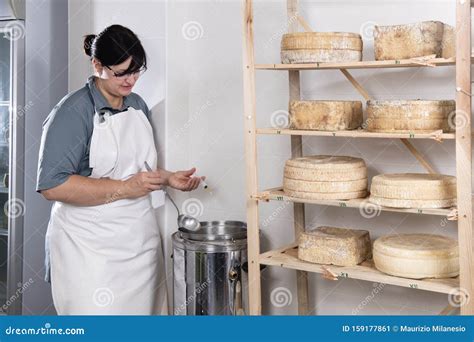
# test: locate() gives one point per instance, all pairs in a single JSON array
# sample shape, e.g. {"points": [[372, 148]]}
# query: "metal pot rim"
{"points": [[222, 246], [216, 231]]}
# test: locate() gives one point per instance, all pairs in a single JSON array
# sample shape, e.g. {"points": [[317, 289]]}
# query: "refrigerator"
{"points": [[12, 120]]}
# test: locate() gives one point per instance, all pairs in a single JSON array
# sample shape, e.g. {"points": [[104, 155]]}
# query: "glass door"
{"points": [[12, 205]]}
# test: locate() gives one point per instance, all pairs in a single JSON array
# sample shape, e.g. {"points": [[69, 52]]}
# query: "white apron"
{"points": [[107, 259]]}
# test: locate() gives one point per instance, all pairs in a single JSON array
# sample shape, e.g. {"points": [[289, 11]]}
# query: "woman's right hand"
{"points": [[142, 183]]}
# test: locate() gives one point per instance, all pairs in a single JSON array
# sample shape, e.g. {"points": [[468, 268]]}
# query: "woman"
{"points": [[103, 243]]}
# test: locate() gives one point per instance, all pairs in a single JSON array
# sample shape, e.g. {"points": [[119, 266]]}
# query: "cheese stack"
{"points": [[417, 256], [417, 116], [335, 246], [325, 115], [414, 40], [314, 47], [413, 190], [325, 177]]}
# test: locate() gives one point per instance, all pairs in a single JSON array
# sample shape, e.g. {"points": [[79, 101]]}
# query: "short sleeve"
{"points": [[137, 102], [146, 110], [63, 145]]}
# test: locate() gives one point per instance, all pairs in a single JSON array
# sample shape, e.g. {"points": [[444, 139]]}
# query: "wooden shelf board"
{"points": [[402, 63], [357, 133], [287, 257], [277, 194]]}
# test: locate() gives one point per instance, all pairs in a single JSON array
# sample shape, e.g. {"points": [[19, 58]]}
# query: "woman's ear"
{"points": [[98, 67]]}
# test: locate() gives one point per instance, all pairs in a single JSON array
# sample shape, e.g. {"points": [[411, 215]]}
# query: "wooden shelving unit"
{"points": [[286, 257]]}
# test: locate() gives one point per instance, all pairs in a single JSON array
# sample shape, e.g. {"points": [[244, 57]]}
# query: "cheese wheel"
{"points": [[335, 246], [319, 56], [449, 42], [314, 47], [324, 187], [325, 196], [325, 115], [327, 163], [410, 115], [417, 256], [324, 175], [412, 40], [408, 204], [407, 126], [416, 186], [321, 40]]}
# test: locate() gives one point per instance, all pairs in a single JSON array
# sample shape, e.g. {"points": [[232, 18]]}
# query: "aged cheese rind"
{"points": [[324, 175], [325, 196], [410, 115], [335, 246], [321, 40], [325, 115], [417, 256], [448, 44], [320, 56], [413, 40], [407, 126], [325, 187], [418, 204], [414, 186], [314, 47], [328, 163]]}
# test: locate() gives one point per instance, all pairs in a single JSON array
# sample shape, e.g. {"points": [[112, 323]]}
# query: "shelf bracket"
{"points": [[303, 23], [408, 145], [437, 136], [418, 156], [328, 274], [447, 310], [424, 60], [453, 215]]}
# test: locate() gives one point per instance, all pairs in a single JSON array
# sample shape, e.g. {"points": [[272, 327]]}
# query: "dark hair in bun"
{"points": [[114, 45], [88, 40]]}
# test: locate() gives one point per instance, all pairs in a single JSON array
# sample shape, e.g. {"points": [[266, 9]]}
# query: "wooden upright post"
{"points": [[463, 153], [297, 151], [255, 305]]}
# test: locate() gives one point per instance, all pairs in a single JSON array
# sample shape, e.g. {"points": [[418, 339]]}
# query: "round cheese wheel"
{"points": [[414, 186], [417, 256], [324, 175], [327, 163], [319, 56], [325, 187], [314, 47], [409, 204], [321, 40], [410, 115], [325, 115], [325, 196]]}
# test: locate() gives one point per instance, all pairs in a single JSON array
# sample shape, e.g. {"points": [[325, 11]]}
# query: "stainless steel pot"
{"points": [[208, 276]]}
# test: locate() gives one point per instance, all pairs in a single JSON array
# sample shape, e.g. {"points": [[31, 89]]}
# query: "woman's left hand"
{"points": [[183, 180]]}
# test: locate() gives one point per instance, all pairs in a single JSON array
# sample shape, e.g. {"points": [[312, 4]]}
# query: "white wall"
{"points": [[203, 121]]}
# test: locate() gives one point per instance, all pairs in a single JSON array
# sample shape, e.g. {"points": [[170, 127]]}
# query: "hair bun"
{"points": [[88, 41]]}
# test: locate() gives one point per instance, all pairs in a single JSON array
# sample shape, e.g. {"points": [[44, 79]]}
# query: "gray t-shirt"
{"points": [[67, 132]]}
